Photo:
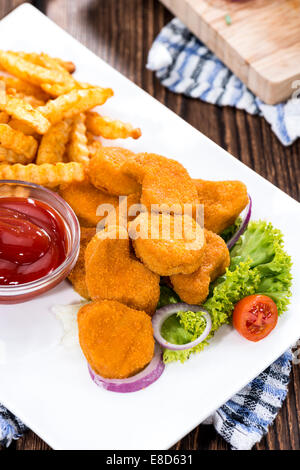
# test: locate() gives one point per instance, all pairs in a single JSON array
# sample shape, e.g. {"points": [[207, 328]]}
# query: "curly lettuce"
{"points": [[259, 265]]}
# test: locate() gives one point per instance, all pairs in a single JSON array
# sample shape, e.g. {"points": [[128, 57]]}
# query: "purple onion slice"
{"points": [[243, 226], [137, 382], [163, 313]]}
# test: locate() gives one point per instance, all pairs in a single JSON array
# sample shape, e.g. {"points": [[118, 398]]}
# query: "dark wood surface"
{"points": [[121, 32]]}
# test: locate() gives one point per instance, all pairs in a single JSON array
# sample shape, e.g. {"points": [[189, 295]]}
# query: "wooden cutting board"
{"points": [[261, 45]]}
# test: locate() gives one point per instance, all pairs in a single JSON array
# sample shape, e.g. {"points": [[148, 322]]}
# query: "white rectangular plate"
{"points": [[47, 385]]}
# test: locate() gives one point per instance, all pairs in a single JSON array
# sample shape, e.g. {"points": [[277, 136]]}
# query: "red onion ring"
{"points": [[135, 383], [243, 226], [163, 313]]}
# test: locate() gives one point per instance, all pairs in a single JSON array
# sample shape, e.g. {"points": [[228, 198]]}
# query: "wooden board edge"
{"points": [[269, 92]]}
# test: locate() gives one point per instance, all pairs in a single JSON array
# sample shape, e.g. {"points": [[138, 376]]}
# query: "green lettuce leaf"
{"points": [[182, 328], [167, 297]]}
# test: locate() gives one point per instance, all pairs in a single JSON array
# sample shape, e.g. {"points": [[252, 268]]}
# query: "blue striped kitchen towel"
{"points": [[11, 427], [245, 419], [185, 65], [242, 421]]}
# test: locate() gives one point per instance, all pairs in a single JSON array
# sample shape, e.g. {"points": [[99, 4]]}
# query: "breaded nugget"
{"points": [[113, 273], [116, 340], [223, 201], [167, 244], [106, 171], [77, 275], [194, 288], [164, 182], [85, 199]]}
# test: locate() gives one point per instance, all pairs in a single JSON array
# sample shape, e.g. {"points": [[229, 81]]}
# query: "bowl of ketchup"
{"points": [[39, 240]]}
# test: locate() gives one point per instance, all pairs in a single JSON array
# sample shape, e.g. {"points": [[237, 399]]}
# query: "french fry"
{"points": [[22, 127], [32, 100], [74, 102], [23, 111], [7, 190], [21, 144], [9, 156], [90, 138], [78, 147], [109, 128], [53, 143], [48, 175], [25, 70], [44, 60], [67, 64], [24, 87], [57, 89], [4, 117], [47, 61], [94, 147]]}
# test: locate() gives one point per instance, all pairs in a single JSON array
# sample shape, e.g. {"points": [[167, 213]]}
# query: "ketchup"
{"points": [[33, 240]]}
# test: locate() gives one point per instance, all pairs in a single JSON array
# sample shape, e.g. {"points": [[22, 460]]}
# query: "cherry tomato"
{"points": [[255, 316]]}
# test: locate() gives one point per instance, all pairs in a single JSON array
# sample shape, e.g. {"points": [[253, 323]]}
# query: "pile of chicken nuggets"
{"points": [[131, 208], [121, 266]]}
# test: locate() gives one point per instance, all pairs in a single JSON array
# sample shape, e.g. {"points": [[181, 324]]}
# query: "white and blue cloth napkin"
{"points": [[245, 419], [185, 65], [242, 421], [11, 428]]}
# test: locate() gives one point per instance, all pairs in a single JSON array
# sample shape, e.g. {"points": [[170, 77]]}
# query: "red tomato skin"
{"points": [[255, 316]]}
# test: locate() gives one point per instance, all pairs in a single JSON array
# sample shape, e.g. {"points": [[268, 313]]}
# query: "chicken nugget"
{"points": [[194, 288], [116, 340], [167, 244], [88, 201], [223, 201], [113, 273], [106, 171], [165, 183], [77, 275]]}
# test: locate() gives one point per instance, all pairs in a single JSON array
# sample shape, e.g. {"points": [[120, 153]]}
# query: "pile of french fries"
{"points": [[48, 129]]}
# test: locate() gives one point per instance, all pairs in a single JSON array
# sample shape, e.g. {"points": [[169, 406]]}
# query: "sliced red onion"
{"points": [[165, 312], [242, 227], [137, 382]]}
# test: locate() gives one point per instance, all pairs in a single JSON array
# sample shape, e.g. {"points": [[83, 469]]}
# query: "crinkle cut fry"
{"points": [[29, 99], [23, 111], [9, 156], [78, 150], [110, 128], [32, 73], [44, 60], [21, 126], [47, 61], [20, 86], [53, 143], [58, 89], [74, 102], [48, 175], [18, 142]]}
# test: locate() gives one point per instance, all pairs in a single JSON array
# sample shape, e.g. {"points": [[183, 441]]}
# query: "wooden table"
{"points": [[121, 32]]}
